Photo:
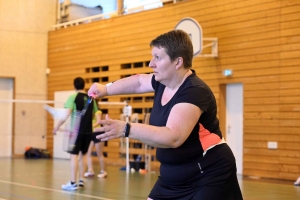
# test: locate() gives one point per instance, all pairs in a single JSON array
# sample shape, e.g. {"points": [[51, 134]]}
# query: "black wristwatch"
{"points": [[126, 129]]}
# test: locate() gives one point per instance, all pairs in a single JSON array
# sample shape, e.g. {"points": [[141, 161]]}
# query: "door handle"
{"points": [[228, 129]]}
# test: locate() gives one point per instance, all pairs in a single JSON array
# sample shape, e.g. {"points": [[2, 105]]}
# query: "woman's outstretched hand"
{"points": [[112, 129], [97, 90]]}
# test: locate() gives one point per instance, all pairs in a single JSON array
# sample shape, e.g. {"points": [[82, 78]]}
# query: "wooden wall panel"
{"points": [[258, 39]]}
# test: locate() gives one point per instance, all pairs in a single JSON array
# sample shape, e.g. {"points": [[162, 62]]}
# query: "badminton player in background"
{"points": [[196, 162], [79, 102], [99, 150]]}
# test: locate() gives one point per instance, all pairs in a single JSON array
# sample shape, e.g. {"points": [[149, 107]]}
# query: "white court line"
{"points": [[60, 191]]}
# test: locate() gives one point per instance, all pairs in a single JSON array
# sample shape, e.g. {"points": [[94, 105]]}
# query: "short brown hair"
{"points": [[177, 43]]}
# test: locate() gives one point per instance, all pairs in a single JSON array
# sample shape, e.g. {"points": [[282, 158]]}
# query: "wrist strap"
{"points": [[127, 129]]}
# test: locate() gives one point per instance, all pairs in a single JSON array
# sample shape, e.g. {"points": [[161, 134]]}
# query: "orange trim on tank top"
{"points": [[207, 138]]}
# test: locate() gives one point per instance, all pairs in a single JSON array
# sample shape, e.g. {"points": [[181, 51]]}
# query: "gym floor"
{"points": [[41, 179]]}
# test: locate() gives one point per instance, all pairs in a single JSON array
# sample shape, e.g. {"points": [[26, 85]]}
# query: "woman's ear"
{"points": [[179, 62]]}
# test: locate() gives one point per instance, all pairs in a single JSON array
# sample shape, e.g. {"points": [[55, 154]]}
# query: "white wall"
{"points": [[24, 27]]}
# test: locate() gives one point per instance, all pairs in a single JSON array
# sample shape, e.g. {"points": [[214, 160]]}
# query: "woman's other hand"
{"points": [[112, 129]]}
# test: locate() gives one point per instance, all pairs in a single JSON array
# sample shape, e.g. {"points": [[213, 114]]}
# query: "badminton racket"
{"points": [[71, 132], [72, 124]]}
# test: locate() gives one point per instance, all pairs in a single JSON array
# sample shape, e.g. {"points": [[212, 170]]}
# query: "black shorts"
{"points": [[216, 179], [82, 144], [94, 139]]}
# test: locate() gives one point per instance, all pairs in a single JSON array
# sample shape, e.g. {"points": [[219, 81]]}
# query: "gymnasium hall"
{"points": [[246, 51]]}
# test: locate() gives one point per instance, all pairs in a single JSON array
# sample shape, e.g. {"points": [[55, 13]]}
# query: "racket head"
{"points": [[70, 134]]}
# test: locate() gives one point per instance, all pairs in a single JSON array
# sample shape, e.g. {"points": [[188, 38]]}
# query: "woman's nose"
{"points": [[151, 65]]}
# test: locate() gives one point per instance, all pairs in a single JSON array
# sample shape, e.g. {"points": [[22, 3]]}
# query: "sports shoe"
{"points": [[88, 174], [81, 184], [69, 186], [102, 174]]}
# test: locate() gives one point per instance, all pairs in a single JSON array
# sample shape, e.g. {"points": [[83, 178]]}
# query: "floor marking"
{"points": [[49, 189]]}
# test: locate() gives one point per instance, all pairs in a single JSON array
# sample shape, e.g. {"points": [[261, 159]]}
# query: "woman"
{"points": [[196, 163]]}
